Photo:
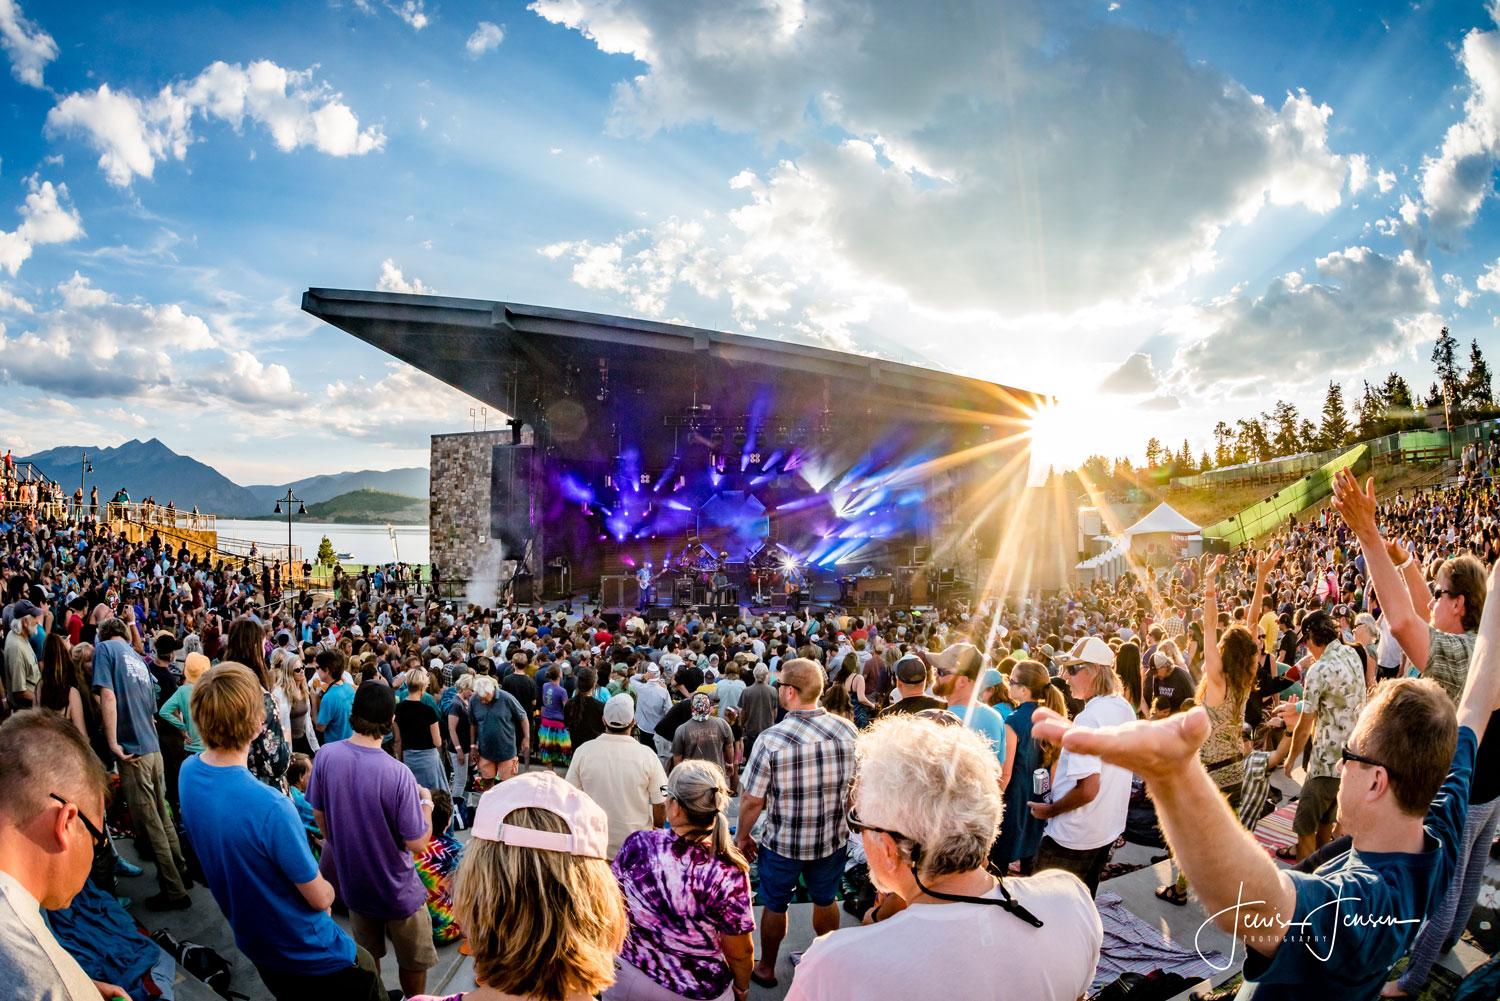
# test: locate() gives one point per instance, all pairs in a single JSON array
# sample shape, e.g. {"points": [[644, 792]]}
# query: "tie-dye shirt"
{"points": [[435, 867], [682, 898]]}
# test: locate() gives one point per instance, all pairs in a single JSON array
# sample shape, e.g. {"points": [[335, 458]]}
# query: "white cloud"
{"points": [[1359, 173], [1040, 172], [93, 345], [486, 38], [132, 134], [399, 409], [1136, 375], [413, 12], [1489, 281], [1457, 180], [46, 217], [392, 280], [12, 303], [1385, 181], [245, 379], [1365, 309], [29, 47]]}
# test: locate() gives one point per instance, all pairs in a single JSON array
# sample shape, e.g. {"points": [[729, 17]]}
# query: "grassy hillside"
{"points": [[1207, 505], [367, 506]]}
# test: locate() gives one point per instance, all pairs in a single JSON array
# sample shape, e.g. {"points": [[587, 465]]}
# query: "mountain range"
{"points": [[150, 468]]}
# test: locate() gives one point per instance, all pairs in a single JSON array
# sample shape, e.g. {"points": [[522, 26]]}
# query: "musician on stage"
{"points": [[647, 581], [723, 593], [796, 582]]}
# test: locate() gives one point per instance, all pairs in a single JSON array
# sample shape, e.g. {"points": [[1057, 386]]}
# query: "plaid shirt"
{"points": [[803, 767]]}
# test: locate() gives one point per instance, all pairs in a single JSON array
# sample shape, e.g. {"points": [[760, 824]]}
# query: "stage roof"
{"points": [[487, 348]]}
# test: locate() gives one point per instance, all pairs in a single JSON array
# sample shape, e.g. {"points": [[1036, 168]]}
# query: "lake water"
{"points": [[363, 543]]}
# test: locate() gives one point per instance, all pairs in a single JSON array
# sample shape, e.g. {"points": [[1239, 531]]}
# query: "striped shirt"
{"points": [[803, 767]]}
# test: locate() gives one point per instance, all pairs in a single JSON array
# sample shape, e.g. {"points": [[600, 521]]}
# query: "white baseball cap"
{"points": [[1090, 650], [619, 711], [588, 824]]}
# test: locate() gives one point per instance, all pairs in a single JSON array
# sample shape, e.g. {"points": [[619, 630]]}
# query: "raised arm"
{"points": [[1482, 687], [1241, 888], [1357, 506], [1213, 667]]}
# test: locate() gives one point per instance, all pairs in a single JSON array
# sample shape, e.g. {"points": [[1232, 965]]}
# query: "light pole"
{"points": [[85, 467], [301, 509]]}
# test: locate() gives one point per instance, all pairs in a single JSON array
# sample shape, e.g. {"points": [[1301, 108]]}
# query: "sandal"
{"points": [[1172, 895], [763, 981], [1287, 853]]}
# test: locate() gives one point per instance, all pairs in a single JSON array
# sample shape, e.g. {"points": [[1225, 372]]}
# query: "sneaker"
{"points": [[163, 902], [124, 867]]}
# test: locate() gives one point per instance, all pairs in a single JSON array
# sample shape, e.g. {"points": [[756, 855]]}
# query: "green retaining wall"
{"points": [[1258, 519]]}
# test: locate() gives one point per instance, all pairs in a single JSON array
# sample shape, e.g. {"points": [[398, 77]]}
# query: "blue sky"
{"points": [[1167, 214]]}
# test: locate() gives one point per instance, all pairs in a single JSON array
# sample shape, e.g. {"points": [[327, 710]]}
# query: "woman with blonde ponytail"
{"points": [[687, 889]]}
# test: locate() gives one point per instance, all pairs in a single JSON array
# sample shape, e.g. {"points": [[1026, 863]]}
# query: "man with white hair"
{"points": [[926, 808]]}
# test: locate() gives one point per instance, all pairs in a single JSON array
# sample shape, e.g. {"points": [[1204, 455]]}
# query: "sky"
{"points": [[1165, 214]]}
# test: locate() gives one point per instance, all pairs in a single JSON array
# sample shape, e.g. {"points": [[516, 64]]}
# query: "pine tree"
{"points": [[1370, 413], [1434, 397], [326, 556], [1185, 457], [1286, 433], [1479, 391], [1153, 453], [1397, 395], [1445, 367], [1307, 437], [1223, 454], [1251, 443], [1335, 427], [1204, 463]]}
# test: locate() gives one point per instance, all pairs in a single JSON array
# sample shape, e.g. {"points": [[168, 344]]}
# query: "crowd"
{"points": [[973, 767]]}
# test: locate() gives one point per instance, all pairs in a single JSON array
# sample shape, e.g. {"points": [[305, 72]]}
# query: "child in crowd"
{"points": [[436, 867], [178, 711], [732, 717], [298, 771]]}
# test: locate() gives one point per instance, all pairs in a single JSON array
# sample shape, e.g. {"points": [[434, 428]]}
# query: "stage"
{"points": [[707, 467]]}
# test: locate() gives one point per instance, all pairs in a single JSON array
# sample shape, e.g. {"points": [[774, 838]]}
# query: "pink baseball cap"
{"points": [[588, 824]]}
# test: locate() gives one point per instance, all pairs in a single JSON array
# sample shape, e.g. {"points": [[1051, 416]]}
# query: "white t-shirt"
{"points": [[624, 778], [1101, 821], [975, 952]]}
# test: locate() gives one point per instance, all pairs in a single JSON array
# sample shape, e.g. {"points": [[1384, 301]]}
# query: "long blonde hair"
{"points": [[540, 923], [699, 788]]}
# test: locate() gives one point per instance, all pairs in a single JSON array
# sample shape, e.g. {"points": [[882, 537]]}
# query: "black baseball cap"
{"points": [[374, 703], [911, 670]]}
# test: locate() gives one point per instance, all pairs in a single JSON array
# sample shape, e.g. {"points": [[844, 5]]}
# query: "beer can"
{"points": [[1041, 782]]}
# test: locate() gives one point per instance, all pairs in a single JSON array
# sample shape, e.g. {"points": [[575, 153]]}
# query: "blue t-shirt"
{"points": [[120, 669], [1359, 912], [254, 854], [333, 712], [987, 721]]}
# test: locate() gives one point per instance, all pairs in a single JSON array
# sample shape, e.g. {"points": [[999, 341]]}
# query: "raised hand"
{"points": [[1267, 561], [1154, 750], [1355, 505]]}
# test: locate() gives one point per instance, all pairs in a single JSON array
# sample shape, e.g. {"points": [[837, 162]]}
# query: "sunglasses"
{"points": [[1347, 755], [1441, 592], [100, 839], [859, 827]]}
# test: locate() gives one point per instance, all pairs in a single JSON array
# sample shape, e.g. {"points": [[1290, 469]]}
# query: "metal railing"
{"points": [[154, 515]]}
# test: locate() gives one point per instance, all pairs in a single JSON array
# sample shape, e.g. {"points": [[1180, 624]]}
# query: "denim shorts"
{"points": [[778, 877]]}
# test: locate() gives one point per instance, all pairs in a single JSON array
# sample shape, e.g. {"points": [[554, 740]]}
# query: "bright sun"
{"points": [[1061, 436]]}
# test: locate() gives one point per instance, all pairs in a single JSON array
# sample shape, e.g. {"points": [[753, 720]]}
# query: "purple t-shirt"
{"points": [[682, 899], [554, 697], [372, 808]]}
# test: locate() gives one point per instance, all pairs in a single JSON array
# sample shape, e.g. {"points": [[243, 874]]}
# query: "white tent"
{"points": [[1163, 520], [1165, 528]]}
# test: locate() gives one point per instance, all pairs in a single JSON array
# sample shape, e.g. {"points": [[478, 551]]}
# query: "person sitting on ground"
{"points": [[1407, 768], [926, 806], [51, 785], [436, 866], [539, 907], [255, 858], [688, 893], [621, 775]]}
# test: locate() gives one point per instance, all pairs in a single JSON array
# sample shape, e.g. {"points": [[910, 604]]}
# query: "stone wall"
{"points": [[470, 561]]}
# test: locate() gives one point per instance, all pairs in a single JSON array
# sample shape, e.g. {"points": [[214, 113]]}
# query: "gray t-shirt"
{"points": [[119, 668], [703, 739]]}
